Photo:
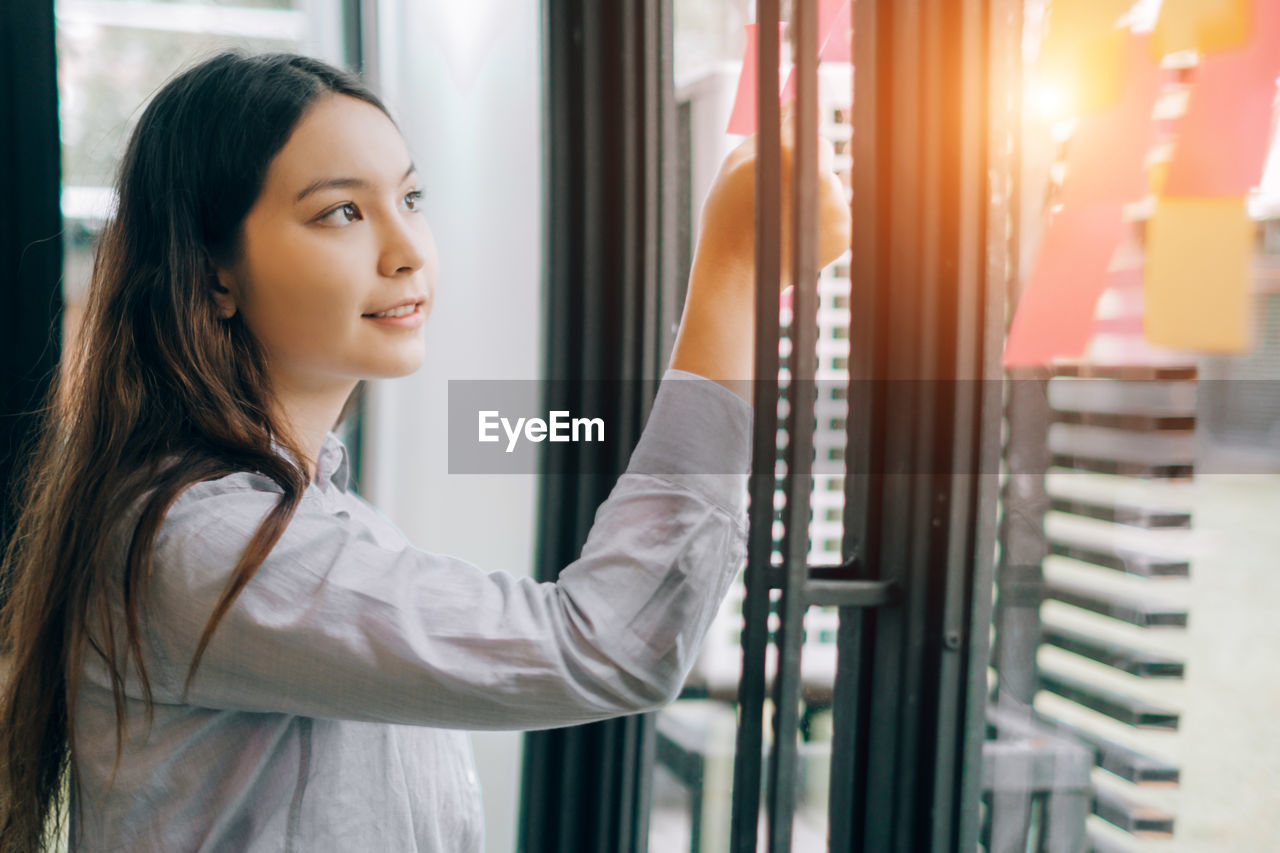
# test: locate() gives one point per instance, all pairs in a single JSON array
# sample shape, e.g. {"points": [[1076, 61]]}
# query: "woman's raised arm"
{"points": [[336, 625]]}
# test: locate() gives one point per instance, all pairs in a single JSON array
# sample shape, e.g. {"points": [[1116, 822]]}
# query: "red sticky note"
{"points": [[1107, 151], [1054, 318], [743, 119], [1222, 140]]}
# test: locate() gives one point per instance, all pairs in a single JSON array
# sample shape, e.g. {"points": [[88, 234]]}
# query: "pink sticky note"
{"points": [[743, 119], [1222, 140], [1055, 313], [1108, 149], [835, 33], [835, 28]]}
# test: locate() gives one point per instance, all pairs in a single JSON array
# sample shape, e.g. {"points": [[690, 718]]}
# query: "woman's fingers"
{"points": [[834, 222]]}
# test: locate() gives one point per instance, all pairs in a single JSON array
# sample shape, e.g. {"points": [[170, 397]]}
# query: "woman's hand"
{"points": [[717, 332], [727, 229]]}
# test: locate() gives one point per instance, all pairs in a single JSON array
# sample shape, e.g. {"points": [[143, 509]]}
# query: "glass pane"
{"points": [[113, 55], [1132, 690], [693, 783]]}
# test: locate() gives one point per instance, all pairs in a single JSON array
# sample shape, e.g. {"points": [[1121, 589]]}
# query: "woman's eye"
{"points": [[342, 208], [351, 213]]}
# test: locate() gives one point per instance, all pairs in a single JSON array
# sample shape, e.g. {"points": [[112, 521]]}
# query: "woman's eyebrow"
{"points": [[327, 183]]}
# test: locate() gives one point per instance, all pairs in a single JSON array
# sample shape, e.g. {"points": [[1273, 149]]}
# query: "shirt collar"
{"points": [[332, 466]]}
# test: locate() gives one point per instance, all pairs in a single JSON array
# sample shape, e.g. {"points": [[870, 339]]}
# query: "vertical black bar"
{"points": [[30, 232], [863, 437], [803, 364], [609, 215], [895, 135], [755, 605], [970, 293]]}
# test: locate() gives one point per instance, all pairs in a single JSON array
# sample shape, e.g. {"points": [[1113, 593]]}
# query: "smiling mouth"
{"points": [[392, 313]]}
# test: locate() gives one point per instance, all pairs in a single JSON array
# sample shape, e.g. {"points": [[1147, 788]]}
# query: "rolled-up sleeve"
{"points": [[335, 625]]}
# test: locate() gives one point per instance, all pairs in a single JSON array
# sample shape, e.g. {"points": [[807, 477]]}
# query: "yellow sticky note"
{"points": [[1157, 172], [1207, 26], [1083, 52], [1196, 286]]}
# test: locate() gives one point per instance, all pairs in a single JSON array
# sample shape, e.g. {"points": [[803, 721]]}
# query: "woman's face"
{"points": [[336, 235]]}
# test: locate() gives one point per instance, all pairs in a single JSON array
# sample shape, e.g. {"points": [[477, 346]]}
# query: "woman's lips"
{"points": [[411, 320]]}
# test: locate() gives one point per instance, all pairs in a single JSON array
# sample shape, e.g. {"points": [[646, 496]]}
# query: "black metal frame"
{"points": [[924, 307], [919, 535], [611, 264]]}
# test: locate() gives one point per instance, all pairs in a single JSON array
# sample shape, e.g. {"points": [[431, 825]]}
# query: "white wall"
{"points": [[463, 81]]}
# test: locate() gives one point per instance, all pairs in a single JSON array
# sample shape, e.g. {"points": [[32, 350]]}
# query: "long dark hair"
{"points": [[155, 375]]}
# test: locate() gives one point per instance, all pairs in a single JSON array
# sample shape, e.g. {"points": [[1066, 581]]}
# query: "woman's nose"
{"points": [[404, 245]]}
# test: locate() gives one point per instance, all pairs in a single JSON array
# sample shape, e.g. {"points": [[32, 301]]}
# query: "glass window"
{"points": [[113, 54], [1131, 694]]}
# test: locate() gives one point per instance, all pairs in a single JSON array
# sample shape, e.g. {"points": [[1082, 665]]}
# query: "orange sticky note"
{"points": [[1196, 292], [743, 119], [1054, 318], [1207, 26]]}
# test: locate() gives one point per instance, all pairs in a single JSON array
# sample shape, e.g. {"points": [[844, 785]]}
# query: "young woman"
{"points": [[212, 639]]}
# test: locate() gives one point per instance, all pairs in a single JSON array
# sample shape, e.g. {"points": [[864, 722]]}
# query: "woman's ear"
{"points": [[225, 290]]}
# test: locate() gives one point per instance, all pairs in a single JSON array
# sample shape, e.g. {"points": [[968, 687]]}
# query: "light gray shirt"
{"points": [[329, 711]]}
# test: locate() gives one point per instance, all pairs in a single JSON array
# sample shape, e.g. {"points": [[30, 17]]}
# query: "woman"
{"points": [[189, 551]]}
